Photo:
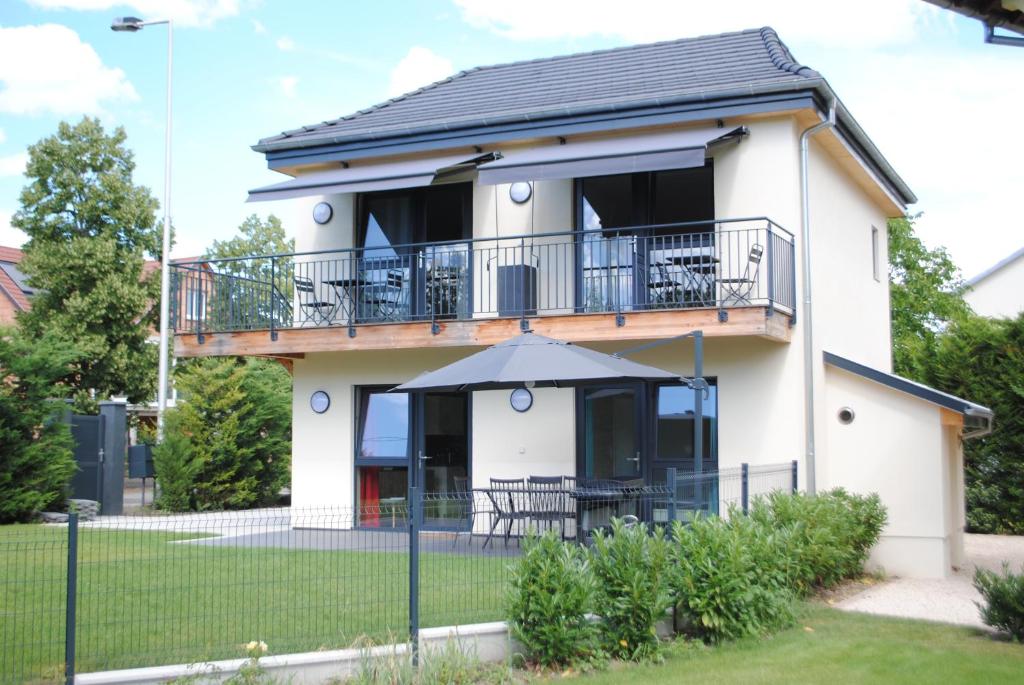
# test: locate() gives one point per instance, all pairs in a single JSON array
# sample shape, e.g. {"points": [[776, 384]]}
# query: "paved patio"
{"points": [[949, 600]]}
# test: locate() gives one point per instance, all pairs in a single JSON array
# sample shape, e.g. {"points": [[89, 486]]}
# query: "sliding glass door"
{"points": [[610, 433]]}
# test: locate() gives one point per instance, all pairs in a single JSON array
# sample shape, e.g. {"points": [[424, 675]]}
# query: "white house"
{"points": [[607, 199], [998, 291]]}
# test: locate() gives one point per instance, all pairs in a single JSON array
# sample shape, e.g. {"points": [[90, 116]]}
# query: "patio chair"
{"points": [[547, 501], [314, 310], [508, 497], [464, 497], [664, 287], [739, 290]]}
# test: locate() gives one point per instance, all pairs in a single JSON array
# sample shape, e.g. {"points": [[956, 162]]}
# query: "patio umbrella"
{"points": [[535, 361]]}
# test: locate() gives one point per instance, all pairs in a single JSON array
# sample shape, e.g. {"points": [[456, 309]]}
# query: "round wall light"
{"points": [[319, 401], [521, 400], [322, 213], [846, 415], [520, 192]]}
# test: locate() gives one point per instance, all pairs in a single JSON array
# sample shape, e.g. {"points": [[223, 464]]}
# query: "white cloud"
{"points": [[285, 44], [9, 235], [419, 67], [876, 22], [49, 69], [13, 165], [288, 84], [258, 27], [183, 12]]}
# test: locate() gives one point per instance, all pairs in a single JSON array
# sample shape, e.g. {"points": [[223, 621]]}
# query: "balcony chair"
{"points": [[464, 498], [388, 296], [314, 310], [736, 291]]}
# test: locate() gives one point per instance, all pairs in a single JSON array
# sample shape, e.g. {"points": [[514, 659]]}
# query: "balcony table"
{"points": [[346, 289]]}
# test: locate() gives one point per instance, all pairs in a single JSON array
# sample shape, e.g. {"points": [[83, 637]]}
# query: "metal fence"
{"points": [[717, 264], [133, 591]]}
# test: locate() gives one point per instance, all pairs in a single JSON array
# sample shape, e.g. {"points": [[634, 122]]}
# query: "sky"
{"points": [[941, 104]]}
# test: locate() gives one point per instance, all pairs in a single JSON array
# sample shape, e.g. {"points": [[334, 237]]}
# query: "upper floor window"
{"points": [[876, 257]]}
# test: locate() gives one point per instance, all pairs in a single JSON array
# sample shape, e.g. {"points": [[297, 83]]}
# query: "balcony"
{"points": [[729, 277]]}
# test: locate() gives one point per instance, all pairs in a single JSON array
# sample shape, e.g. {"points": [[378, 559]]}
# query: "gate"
{"points": [[88, 435]]}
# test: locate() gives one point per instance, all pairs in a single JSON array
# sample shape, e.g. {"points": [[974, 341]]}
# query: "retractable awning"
{"points": [[413, 173], [649, 152]]}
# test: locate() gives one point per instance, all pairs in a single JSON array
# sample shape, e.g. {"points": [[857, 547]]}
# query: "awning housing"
{"points": [[649, 152], [413, 173]]}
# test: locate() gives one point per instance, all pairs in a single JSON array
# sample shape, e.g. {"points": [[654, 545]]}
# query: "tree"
{"points": [[230, 437], [983, 359], [925, 296], [36, 462], [89, 228], [250, 288]]}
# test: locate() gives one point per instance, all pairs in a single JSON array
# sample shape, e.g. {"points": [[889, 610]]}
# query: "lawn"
{"points": [[834, 647], [146, 598]]}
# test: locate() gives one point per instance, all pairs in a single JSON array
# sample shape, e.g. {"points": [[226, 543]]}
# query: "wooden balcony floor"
{"points": [[295, 342]]}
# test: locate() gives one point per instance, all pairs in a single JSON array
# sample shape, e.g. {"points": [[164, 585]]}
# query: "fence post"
{"points": [[793, 486], [414, 572], [745, 487], [670, 476], [70, 602]]}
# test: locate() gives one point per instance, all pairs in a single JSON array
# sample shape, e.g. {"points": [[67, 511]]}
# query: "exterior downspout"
{"points": [[805, 216]]}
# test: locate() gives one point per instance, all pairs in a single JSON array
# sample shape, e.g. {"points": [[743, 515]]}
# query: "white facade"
{"points": [[760, 382], [999, 291]]}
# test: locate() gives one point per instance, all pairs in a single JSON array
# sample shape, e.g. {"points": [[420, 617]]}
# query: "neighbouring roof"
{"points": [[13, 282], [979, 413], [995, 267], [748, 63], [1006, 14]]}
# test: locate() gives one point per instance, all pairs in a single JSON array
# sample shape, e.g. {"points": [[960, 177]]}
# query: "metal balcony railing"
{"points": [[716, 264]]}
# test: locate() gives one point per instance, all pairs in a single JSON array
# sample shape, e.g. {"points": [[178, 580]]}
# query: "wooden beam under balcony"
{"points": [[742, 322]]}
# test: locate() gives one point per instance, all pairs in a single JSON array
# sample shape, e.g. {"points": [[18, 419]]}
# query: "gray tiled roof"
{"points": [[753, 60]]}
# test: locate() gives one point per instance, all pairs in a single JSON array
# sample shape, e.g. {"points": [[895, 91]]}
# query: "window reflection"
{"points": [[675, 422], [384, 432]]}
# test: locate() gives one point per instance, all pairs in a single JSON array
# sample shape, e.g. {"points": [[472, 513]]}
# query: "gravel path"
{"points": [[951, 600]]}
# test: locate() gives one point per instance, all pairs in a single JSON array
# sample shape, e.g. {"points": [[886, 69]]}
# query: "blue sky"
{"points": [[940, 103]]}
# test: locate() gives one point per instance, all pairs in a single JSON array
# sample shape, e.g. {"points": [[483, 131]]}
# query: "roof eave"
{"points": [[819, 86]]}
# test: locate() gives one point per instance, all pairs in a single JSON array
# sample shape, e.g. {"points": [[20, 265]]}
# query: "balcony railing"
{"points": [[720, 264]]}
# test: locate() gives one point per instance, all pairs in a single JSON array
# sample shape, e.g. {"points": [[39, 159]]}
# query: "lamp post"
{"points": [[131, 25]]}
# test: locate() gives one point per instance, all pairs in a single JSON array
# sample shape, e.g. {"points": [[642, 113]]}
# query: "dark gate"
{"points": [[88, 434]]}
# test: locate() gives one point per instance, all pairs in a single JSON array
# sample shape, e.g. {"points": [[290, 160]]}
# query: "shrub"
{"points": [[175, 467], [1003, 608], [630, 569], [731, 578], [551, 592], [831, 534], [36, 463]]}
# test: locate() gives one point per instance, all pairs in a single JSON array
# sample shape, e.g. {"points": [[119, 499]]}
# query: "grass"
{"points": [[146, 599], [834, 647]]}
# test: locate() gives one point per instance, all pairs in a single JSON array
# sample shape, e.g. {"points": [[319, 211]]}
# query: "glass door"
{"points": [[611, 433], [445, 444], [697, 484]]}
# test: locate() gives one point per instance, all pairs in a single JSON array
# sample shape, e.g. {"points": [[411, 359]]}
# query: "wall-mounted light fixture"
{"points": [[520, 192]]}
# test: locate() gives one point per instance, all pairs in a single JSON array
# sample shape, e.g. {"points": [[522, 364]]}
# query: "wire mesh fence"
{"points": [[139, 590]]}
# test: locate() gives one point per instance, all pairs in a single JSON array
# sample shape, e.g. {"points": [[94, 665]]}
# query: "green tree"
{"points": [[249, 288], [36, 462], [983, 360], [89, 228], [925, 296], [230, 438]]}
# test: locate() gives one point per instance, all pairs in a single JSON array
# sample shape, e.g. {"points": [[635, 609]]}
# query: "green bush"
{"points": [[1003, 608], [233, 432], [36, 463], [731, 578], [630, 567], [831, 534], [552, 589], [175, 468]]}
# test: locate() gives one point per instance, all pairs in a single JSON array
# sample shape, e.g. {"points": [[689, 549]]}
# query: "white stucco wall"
{"points": [[897, 446], [1001, 293]]}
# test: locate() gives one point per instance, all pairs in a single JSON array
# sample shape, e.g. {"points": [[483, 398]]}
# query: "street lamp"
{"points": [[131, 25]]}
